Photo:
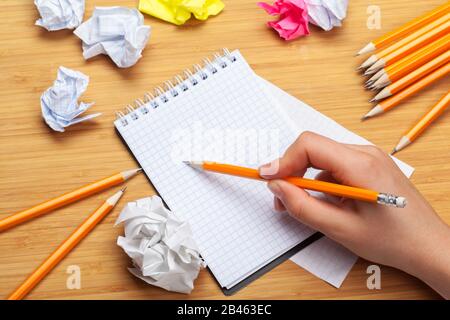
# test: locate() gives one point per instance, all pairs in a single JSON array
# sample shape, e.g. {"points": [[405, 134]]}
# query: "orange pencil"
{"points": [[315, 185], [393, 101], [397, 45], [413, 76], [81, 232], [406, 28], [409, 48], [404, 66], [65, 199], [423, 123]]}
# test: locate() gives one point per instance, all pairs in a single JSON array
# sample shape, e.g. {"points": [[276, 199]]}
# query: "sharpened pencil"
{"points": [[406, 29], [395, 100], [65, 199], [403, 67], [413, 76], [403, 42], [413, 46], [79, 234], [309, 184], [423, 123]]}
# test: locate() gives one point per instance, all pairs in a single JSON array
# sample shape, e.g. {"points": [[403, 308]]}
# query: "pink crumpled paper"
{"points": [[293, 18]]}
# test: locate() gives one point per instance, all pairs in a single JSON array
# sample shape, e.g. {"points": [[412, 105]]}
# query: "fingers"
{"points": [[311, 150], [315, 213]]}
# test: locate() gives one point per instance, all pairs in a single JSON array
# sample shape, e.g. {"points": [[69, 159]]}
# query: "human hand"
{"points": [[409, 238]]}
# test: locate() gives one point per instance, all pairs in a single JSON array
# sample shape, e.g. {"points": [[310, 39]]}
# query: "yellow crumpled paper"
{"points": [[179, 11]]}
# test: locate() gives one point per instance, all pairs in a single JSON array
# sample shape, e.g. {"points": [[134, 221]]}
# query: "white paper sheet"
{"points": [[60, 14], [59, 103], [161, 246], [118, 32], [324, 258], [327, 14]]}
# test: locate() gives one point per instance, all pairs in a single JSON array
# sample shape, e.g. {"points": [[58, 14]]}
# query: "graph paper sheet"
{"points": [[233, 220]]}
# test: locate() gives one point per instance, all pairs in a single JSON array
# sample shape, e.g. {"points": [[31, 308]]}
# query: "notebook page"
{"points": [[324, 258], [232, 219]]}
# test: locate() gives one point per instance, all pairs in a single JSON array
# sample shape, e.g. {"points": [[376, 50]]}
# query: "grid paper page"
{"points": [[324, 258], [232, 218]]}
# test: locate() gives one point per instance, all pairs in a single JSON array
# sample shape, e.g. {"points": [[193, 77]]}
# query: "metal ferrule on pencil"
{"points": [[391, 200]]}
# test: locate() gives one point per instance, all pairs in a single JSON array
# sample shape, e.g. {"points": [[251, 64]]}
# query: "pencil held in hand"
{"points": [[309, 184], [65, 199]]}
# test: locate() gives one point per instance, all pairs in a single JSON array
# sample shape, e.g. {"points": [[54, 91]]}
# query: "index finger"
{"points": [[311, 150]]}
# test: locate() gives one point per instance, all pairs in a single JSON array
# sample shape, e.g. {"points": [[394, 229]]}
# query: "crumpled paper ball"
{"points": [[292, 18], [179, 11], [118, 32], [327, 13], [59, 14], [161, 246], [59, 103]]}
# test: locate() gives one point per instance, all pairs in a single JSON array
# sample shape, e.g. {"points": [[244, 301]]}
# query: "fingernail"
{"points": [[275, 188], [269, 169]]}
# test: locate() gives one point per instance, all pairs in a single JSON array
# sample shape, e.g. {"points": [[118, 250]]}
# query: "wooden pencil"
{"points": [[395, 100], [401, 68], [409, 48], [309, 184], [81, 232], [406, 29], [423, 123], [412, 77], [399, 44], [65, 199]]}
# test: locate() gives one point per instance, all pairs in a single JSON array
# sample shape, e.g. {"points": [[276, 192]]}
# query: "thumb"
{"points": [[315, 213]]}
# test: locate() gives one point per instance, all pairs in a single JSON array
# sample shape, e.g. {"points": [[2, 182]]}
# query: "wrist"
{"points": [[429, 261]]}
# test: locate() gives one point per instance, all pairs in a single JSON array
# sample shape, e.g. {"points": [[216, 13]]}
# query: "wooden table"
{"points": [[37, 163]]}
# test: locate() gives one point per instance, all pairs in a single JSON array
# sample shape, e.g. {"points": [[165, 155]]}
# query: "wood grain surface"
{"points": [[37, 163]]}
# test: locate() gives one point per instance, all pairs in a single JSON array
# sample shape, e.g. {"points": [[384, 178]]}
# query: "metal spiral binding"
{"points": [[173, 88]]}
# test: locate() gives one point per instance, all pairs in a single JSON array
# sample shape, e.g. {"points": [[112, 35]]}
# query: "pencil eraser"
{"points": [[401, 202]]}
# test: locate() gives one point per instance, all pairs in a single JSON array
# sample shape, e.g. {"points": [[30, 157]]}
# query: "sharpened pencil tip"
{"points": [[123, 189], [394, 151], [364, 118]]}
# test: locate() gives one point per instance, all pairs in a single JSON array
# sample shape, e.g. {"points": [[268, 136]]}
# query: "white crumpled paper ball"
{"points": [[60, 14], [161, 246]]}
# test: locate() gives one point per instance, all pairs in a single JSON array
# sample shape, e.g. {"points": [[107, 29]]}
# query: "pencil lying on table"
{"points": [[81, 232], [65, 199], [413, 76], [406, 65], [309, 184], [404, 51], [395, 100], [406, 29], [423, 123], [398, 45]]}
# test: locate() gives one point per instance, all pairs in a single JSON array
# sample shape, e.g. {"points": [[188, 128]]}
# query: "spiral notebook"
{"points": [[220, 111], [232, 219]]}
